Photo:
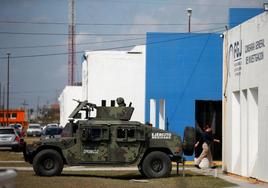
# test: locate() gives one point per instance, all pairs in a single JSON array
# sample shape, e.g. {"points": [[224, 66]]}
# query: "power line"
{"points": [[61, 45], [85, 43], [154, 2], [34, 92], [190, 77], [112, 48], [66, 34], [109, 24]]}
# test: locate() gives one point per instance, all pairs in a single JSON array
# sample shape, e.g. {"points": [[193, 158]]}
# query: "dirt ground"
{"points": [[117, 179], [111, 179]]}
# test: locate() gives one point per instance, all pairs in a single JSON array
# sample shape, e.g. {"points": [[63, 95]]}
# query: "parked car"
{"points": [[52, 125], [34, 130], [18, 128], [9, 138], [52, 132], [49, 125]]}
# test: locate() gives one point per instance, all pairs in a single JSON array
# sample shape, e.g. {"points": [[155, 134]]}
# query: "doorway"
{"points": [[208, 112]]}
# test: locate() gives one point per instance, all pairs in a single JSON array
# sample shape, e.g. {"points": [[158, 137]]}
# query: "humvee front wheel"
{"points": [[48, 162], [156, 165]]}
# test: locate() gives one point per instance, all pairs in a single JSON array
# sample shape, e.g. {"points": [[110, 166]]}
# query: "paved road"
{"points": [[241, 182]]}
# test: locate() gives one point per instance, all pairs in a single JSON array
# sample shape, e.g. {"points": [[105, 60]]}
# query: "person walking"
{"points": [[206, 140]]}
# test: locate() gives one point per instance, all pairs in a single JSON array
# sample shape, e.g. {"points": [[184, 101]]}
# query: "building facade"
{"points": [[183, 81], [13, 116], [245, 91], [67, 103], [107, 75]]}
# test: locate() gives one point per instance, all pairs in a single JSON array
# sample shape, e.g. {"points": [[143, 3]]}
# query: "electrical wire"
{"points": [[187, 84], [65, 45], [66, 34], [110, 48], [109, 24], [86, 43]]}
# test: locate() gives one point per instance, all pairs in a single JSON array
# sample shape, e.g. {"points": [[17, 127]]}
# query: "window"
{"points": [[126, 134], [131, 133], [121, 133], [95, 134], [13, 115], [7, 131], [1, 115]]}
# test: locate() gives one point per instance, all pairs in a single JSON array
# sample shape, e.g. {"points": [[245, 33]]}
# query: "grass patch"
{"points": [[12, 164], [116, 179], [30, 140], [7, 155]]}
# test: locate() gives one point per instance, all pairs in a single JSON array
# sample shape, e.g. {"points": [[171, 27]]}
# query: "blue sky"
{"points": [[45, 76]]}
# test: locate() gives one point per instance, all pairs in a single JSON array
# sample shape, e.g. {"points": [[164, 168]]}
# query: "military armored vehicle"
{"points": [[109, 138]]}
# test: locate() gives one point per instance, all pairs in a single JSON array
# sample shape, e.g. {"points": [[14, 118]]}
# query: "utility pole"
{"points": [[0, 96], [71, 44], [3, 107], [37, 107], [3, 102], [7, 114], [189, 12], [24, 104]]}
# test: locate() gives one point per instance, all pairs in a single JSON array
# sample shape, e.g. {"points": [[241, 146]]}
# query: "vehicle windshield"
{"points": [[53, 131], [6, 131], [52, 125], [67, 130], [16, 126], [34, 126]]}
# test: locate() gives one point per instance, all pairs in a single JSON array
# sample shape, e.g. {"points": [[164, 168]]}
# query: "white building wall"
{"points": [[245, 78], [67, 104], [107, 75]]}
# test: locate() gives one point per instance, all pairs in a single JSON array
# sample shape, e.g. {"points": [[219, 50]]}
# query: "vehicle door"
{"points": [[126, 142], [94, 144]]}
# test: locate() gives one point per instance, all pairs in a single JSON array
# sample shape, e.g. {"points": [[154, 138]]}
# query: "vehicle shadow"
{"points": [[122, 176]]}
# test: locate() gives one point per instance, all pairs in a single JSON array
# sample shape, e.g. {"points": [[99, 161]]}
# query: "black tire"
{"points": [[141, 171], [188, 141], [48, 162], [156, 165]]}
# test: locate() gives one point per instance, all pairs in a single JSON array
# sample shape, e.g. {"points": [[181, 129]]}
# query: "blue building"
{"points": [[240, 15], [183, 80]]}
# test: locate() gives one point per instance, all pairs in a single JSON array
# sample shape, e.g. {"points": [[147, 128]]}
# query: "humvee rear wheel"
{"points": [[156, 165], [188, 141], [48, 162]]}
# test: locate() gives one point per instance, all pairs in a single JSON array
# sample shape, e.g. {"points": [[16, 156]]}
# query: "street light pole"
{"points": [[189, 12], [7, 114]]}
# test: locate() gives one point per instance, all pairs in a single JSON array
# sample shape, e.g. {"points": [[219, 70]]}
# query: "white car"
{"points": [[9, 138], [34, 130]]}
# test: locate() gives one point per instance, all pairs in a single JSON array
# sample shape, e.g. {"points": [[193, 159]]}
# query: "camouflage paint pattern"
{"points": [[109, 138]]}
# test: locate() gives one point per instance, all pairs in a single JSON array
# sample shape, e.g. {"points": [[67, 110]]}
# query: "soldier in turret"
{"points": [[120, 102]]}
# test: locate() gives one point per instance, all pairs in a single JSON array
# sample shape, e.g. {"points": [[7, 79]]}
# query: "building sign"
{"points": [[253, 53], [235, 52]]}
